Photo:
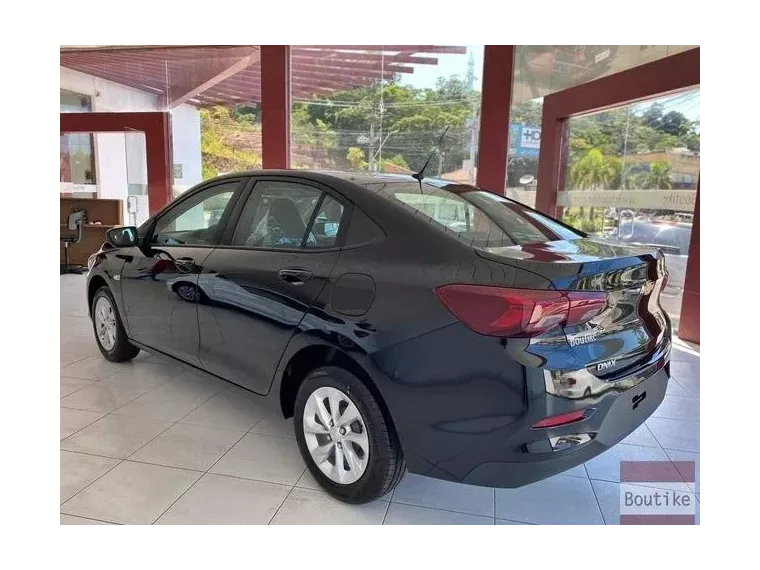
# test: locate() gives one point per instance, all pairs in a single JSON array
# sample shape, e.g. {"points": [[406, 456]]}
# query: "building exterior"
{"points": [[683, 163]]}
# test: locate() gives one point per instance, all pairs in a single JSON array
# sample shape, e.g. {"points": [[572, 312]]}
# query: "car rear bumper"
{"points": [[613, 419], [468, 414]]}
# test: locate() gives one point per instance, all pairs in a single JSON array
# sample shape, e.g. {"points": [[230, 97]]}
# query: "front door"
{"points": [[160, 278], [258, 285]]}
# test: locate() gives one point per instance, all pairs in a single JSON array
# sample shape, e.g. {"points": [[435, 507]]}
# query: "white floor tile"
{"points": [[307, 481], [218, 499], [169, 402], [434, 493], [408, 514], [679, 456], [188, 447], [74, 420], [268, 458], [305, 506], [690, 385], [606, 467], [131, 493], [681, 370], [675, 389], [114, 436], [101, 398], [68, 521], [678, 408], [275, 425], [92, 368], [675, 434], [557, 500], [71, 385], [228, 410], [143, 375], [508, 522], [79, 470], [641, 436]]}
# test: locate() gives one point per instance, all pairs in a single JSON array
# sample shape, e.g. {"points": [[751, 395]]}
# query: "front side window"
{"points": [[288, 215], [195, 221]]}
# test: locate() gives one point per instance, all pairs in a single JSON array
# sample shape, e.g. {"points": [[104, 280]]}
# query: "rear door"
{"points": [[256, 287], [160, 278]]}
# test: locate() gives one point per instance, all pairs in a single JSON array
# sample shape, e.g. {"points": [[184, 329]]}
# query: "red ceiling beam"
{"points": [[198, 54], [416, 49], [344, 65], [337, 56]]}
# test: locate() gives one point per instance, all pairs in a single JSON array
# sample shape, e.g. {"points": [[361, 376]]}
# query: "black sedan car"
{"points": [[402, 323]]}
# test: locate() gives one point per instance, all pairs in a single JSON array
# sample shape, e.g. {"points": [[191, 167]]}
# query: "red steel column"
{"points": [[688, 328], [275, 106], [493, 144], [158, 159]]}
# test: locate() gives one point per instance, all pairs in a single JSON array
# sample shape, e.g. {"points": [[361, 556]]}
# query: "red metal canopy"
{"points": [[212, 75]]}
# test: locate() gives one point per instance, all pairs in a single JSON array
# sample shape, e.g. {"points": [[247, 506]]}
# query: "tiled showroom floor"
{"points": [[146, 442]]}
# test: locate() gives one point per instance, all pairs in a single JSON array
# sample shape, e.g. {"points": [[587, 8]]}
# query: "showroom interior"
{"points": [[604, 138]]}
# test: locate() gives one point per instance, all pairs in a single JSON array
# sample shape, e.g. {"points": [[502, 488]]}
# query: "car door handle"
{"points": [[295, 276], [185, 264]]}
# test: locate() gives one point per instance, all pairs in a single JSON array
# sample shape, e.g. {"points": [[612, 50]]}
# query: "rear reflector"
{"points": [[498, 311], [562, 419]]}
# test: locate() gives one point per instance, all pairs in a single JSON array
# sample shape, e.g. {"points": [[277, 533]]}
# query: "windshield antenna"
{"points": [[418, 176]]}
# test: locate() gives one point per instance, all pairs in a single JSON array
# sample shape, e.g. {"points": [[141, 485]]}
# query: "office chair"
{"points": [[76, 223]]}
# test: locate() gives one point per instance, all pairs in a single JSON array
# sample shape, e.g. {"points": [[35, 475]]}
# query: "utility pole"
{"points": [[473, 139], [371, 150]]}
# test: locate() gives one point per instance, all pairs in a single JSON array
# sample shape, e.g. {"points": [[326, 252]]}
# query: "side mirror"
{"points": [[122, 237]]}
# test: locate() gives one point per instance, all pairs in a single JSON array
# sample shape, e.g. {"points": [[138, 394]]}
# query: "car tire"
{"points": [[108, 328], [372, 472]]}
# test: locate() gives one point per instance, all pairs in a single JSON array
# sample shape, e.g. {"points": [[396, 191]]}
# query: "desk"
{"points": [[107, 211]]}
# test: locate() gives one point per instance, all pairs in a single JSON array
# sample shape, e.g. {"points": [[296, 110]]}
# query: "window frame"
{"points": [[147, 231], [253, 193]]}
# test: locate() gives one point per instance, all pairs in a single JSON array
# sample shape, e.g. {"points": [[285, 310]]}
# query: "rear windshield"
{"points": [[477, 217]]}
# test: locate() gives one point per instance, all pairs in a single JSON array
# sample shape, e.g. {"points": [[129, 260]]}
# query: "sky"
{"points": [[425, 76]]}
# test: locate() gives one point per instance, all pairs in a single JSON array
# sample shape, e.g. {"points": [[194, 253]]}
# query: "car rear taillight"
{"points": [[498, 311]]}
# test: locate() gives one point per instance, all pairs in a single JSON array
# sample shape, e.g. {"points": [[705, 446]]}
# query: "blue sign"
{"points": [[524, 140]]}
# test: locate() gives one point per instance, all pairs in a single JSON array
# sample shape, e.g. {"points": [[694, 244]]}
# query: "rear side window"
{"points": [[288, 215], [477, 217]]}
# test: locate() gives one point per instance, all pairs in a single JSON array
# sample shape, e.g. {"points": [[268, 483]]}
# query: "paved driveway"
{"points": [[146, 442]]}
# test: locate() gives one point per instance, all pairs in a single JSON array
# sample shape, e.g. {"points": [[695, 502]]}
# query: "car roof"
{"points": [[359, 178], [355, 177]]}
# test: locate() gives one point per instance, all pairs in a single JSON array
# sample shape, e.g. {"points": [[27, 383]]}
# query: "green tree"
{"points": [[355, 157], [226, 143], [396, 160]]}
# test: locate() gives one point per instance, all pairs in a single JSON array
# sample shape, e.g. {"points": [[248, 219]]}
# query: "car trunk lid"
{"points": [[631, 327]]}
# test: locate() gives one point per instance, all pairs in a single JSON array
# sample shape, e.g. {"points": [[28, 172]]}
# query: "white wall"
{"points": [[120, 160], [186, 145]]}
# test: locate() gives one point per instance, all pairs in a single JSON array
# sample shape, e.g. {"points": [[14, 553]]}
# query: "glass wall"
{"points": [[77, 149], [631, 175], [542, 70], [385, 108]]}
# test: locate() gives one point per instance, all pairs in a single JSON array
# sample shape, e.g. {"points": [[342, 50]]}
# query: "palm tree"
{"points": [[657, 177], [595, 171]]}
